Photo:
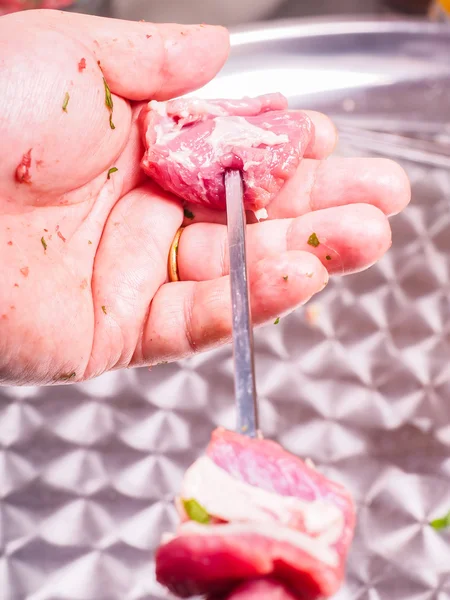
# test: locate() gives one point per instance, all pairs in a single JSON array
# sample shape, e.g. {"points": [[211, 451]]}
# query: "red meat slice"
{"points": [[259, 589], [271, 516], [194, 564], [190, 143]]}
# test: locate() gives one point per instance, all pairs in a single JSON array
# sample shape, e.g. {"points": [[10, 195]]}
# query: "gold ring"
{"points": [[173, 257]]}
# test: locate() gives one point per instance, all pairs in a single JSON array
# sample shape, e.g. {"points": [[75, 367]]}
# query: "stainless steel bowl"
{"points": [[88, 472]]}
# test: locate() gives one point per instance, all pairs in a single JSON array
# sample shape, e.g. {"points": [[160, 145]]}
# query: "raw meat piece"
{"points": [[259, 589], [270, 515], [10, 6], [266, 465], [191, 142]]}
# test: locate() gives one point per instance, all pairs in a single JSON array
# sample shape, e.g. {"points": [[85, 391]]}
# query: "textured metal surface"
{"points": [[361, 384]]}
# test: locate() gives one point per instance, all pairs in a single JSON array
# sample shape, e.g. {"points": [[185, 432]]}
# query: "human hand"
{"points": [[83, 257]]}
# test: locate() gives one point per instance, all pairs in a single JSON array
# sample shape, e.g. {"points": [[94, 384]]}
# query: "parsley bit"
{"points": [[104, 309], [188, 214], [442, 523], [67, 376], [285, 277], [277, 320], [313, 240], [112, 170], [109, 103], [328, 257], [196, 512], [44, 243], [66, 102]]}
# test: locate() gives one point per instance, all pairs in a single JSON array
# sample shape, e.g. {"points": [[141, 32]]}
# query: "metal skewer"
{"points": [[244, 366]]}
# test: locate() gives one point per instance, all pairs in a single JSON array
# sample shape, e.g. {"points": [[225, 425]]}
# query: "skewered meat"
{"points": [[258, 589], [249, 509], [191, 142]]}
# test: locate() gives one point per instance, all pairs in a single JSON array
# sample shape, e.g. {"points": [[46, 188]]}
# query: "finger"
{"points": [[129, 162], [188, 317], [349, 238], [69, 144], [130, 266], [334, 182], [338, 181], [325, 136], [144, 60]]}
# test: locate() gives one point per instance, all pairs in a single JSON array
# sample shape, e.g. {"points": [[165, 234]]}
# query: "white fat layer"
{"points": [[315, 547], [182, 157], [232, 500], [237, 131], [166, 131], [167, 537], [261, 214], [250, 163], [227, 132], [203, 107], [309, 463], [159, 107]]}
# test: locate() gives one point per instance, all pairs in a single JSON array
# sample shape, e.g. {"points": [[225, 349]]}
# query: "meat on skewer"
{"points": [[249, 510], [191, 142], [256, 521]]}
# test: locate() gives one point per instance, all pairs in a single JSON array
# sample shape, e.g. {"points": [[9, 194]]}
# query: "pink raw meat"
{"points": [[190, 143], [193, 564], [265, 464], [271, 516], [10, 6], [258, 589]]}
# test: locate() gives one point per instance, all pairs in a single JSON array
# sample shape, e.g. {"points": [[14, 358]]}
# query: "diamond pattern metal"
{"points": [[360, 384]]}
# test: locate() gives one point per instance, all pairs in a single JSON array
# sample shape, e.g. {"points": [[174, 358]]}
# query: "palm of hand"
{"points": [[84, 255]]}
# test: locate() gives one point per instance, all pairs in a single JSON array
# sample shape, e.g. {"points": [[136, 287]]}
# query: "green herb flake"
{"points": [[66, 102], [44, 243], [109, 102], [313, 240], [104, 309], [328, 257], [442, 523], [112, 170], [196, 512], [188, 214], [285, 277], [277, 320], [67, 376], [108, 98]]}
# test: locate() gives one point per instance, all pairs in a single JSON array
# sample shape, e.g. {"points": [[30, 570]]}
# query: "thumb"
{"points": [[144, 60], [59, 148]]}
